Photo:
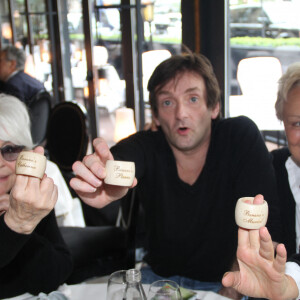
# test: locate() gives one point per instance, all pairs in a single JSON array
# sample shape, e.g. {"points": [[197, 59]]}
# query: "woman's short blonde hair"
{"points": [[287, 82], [14, 121]]}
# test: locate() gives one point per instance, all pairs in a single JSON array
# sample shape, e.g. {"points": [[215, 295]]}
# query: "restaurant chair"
{"points": [[258, 80], [96, 250], [67, 136], [101, 250], [259, 75], [39, 108], [150, 60]]}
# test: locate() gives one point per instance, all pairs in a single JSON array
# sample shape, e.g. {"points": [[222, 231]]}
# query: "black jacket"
{"points": [[33, 263], [25, 85], [286, 199]]}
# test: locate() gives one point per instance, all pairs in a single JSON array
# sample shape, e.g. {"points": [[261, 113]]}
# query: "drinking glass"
{"points": [[164, 290], [116, 285]]}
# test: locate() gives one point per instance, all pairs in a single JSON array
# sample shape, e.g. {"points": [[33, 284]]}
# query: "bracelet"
{"points": [[120, 173], [31, 164], [249, 215]]}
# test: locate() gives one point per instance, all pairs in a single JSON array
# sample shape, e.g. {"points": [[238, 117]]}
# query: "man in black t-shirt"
{"points": [[190, 173]]}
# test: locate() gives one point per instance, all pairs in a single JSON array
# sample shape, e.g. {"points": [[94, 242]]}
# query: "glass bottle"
{"points": [[134, 289]]}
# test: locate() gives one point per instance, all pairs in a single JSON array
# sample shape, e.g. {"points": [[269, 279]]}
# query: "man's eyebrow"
{"points": [[189, 90], [162, 92], [193, 89]]}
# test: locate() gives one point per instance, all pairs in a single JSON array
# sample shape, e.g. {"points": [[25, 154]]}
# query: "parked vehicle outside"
{"points": [[268, 19]]}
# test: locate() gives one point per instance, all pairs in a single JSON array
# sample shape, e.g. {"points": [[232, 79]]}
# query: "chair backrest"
{"points": [[39, 110], [259, 75], [67, 137], [150, 60]]}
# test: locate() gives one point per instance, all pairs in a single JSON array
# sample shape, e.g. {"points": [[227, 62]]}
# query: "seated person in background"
{"points": [[12, 63], [33, 255], [287, 160], [190, 173], [260, 273]]}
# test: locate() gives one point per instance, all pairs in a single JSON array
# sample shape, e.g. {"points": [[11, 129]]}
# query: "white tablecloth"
{"points": [[97, 291]]}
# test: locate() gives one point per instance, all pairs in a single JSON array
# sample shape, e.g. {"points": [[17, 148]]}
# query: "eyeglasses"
{"points": [[10, 152]]}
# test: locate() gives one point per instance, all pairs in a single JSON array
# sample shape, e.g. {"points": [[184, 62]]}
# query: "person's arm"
{"points": [[90, 174], [261, 274], [252, 174], [33, 255], [13, 242], [52, 259], [34, 263], [255, 174]]}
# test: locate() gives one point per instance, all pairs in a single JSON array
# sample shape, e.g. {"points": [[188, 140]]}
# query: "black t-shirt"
{"points": [[191, 229]]}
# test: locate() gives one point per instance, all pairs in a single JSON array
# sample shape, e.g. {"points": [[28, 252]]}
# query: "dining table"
{"points": [[97, 291]]}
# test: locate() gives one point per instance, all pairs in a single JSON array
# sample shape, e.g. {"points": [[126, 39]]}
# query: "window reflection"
{"points": [[38, 58], [6, 33], [77, 50], [6, 30], [261, 29], [37, 6], [161, 26], [161, 30]]}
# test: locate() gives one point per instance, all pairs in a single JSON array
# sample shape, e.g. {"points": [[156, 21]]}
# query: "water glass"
{"points": [[164, 290], [116, 285]]}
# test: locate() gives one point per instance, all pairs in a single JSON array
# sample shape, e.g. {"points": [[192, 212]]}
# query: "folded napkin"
{"points": [[51, 296], [62, 293]]}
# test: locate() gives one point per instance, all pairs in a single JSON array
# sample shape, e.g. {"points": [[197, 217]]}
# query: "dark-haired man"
{"points": [[190, 173]]}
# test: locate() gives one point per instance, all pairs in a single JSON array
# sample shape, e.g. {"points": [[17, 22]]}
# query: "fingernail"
{"points": [[93, 190], [98, 182]]}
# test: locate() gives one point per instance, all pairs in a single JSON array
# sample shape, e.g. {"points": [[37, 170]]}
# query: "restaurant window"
{"points": [[54, 39], [76, 49], [25, 24], [6, 29], [162, 38], [264, 39], [155, 29]]}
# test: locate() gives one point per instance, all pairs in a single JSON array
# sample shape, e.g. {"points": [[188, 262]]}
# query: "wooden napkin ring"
{"points": [[31, 164], [249, 215], [120, 173]]}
